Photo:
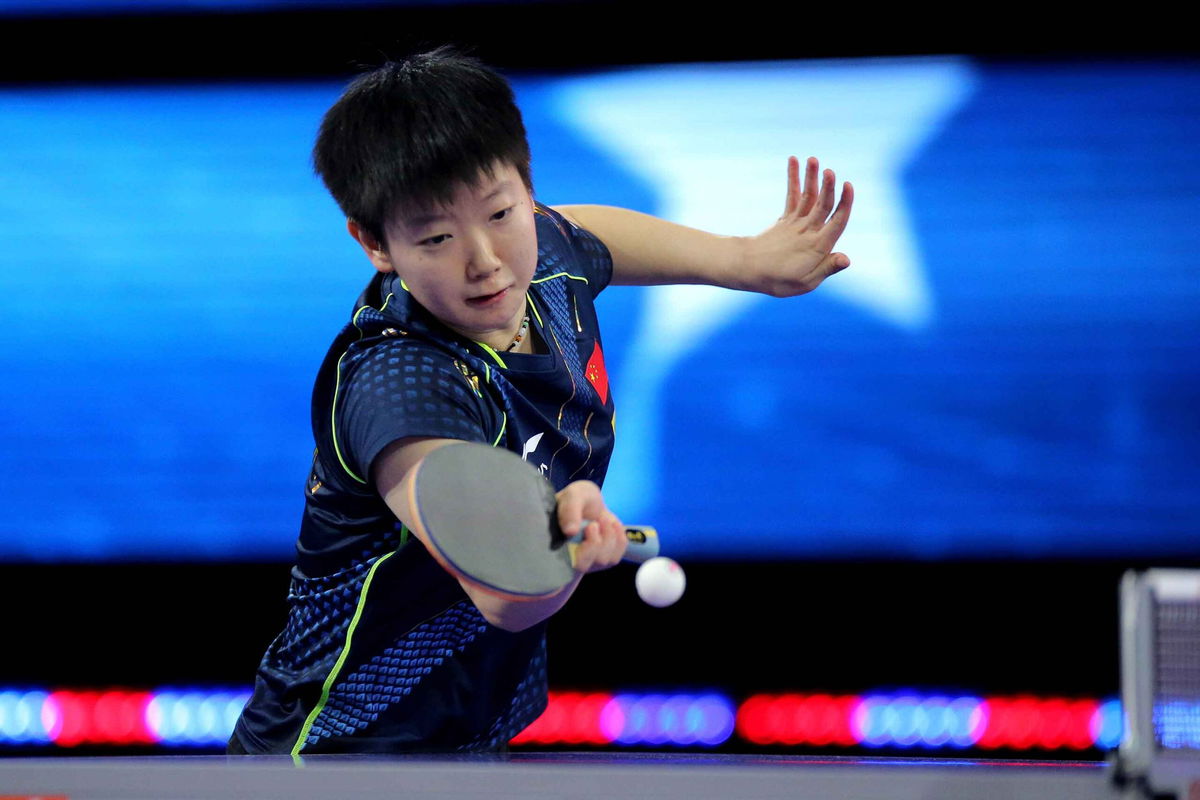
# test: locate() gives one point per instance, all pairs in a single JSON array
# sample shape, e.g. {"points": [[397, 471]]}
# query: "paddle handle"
{"points": [[643, 542]]}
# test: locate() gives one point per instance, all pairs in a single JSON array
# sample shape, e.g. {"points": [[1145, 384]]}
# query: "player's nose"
{"points": [[482, 257]]}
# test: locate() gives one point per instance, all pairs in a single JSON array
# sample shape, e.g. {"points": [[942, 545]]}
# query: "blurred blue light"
{"points": [[967, 724], [719, 718], [934, 721], [868, 726], [911, 720], [1108, 725], [679, 720], [901, 713], [676, 719], [21, 717]]}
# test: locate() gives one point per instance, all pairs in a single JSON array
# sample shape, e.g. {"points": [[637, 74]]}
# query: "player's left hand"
{"points": [[795, 254]]}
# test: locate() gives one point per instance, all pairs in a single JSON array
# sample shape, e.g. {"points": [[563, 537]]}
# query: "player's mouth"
{"points": [[486, 300]]}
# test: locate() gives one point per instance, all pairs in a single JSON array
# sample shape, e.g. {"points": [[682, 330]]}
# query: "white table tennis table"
{"points": [[531, 776]]}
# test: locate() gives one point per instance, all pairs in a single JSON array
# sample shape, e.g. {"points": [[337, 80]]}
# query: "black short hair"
{"points": [[410, 132]]}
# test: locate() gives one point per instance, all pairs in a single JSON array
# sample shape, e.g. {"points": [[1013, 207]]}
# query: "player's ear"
{"points": [[375, 250]]}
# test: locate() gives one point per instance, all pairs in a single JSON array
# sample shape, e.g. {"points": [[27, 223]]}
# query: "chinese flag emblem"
{"points": [[596, 374]]}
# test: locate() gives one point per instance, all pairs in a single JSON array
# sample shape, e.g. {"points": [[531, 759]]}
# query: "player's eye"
{"points": [[499, 215], [434, 240]]}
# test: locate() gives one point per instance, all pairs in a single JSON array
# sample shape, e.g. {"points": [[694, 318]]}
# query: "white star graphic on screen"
{"points": [[713, 140]]}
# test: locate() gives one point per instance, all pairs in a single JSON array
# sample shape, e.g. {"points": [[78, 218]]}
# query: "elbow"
{"points": [[508, 615], [509, 622], [515, 616]]}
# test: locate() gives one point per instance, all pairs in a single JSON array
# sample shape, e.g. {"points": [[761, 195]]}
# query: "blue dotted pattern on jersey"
{"points": [[320, 610], [358, 699], [403, 380]]}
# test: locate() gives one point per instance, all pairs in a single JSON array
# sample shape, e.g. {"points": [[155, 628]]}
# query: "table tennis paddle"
{"points": [[491, 519]]}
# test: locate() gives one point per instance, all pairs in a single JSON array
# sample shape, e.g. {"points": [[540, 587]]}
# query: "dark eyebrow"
{"points": [[420, 220], [500, 189]]}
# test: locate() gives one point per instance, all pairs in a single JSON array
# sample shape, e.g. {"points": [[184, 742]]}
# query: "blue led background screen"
{"points": [[1010, 367]]}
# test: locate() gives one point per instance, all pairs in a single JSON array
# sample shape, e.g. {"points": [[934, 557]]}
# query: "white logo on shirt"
{"points": [[530, 446]]}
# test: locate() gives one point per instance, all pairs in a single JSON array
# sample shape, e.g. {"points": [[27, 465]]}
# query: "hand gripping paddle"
{"points": [[491, 519]]}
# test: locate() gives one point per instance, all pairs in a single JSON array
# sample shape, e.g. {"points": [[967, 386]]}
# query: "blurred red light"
{"points": [[846, 706], [76, 718], [574, 727], [995, 716], [1053, 723], [1024, 723], [830, 719], [585, 719], [785, 719], [805, 722], [751, 719], [1079, 733], [119, 717], [793, 719]]}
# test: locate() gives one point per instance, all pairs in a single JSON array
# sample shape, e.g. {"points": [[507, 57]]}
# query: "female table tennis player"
{"points": [[477, 326]]}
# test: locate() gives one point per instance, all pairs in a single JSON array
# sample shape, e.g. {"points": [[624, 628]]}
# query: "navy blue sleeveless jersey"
{"points": [[383, 651]]}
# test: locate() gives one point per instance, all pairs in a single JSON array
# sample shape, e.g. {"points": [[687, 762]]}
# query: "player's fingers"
{"points": [[837, 223], [793, 186], [834, 263], [810, 186], [590, 554], [824, 202], [613, 536], [603, 545], [572, 508]]}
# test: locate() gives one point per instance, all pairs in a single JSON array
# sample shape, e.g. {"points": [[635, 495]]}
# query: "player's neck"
{"points": [[532, 344]]}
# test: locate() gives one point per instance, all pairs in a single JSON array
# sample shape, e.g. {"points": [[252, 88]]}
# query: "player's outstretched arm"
{"points": [[791, 257], [603, 546]]}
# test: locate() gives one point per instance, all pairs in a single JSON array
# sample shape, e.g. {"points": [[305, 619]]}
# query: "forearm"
{"points": [[649, 251], [517, 615], [791, 257]]}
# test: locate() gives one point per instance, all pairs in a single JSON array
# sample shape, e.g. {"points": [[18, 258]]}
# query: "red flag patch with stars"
{"points": [[596, 374]]}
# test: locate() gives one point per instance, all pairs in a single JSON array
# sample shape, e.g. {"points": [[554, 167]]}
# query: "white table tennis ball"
{"points": [[660, 582]]}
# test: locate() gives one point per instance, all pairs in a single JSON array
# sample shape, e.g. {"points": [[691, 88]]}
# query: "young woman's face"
{"points": [[470, 262]]}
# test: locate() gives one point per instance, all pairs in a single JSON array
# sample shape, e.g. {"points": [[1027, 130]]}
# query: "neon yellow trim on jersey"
{"points": [[362, 600], [493, 354], [536, 313], [503, 427], [404, 286], [337, 386], [559, 275]]}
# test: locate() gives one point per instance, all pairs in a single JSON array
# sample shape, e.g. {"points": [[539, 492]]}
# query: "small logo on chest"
{"points": [[530, 447]]}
